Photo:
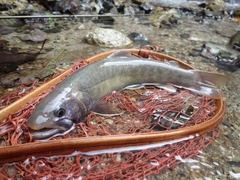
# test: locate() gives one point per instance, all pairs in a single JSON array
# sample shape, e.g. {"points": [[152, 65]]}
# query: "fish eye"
{"points": [[60, 112]]}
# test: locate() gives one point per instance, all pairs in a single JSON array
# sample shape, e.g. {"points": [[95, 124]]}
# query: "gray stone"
{"points": [[107, 38]]}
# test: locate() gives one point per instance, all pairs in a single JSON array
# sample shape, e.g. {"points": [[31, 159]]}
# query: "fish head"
{"points": [[58, 112]]}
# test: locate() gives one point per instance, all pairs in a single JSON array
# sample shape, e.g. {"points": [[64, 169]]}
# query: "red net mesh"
{"points": [[124, 165], [147, 109]]}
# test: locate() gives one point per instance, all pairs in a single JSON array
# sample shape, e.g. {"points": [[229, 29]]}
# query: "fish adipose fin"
{"points": [[173, 63], [121, 54], [106, 109], [209, 84]]}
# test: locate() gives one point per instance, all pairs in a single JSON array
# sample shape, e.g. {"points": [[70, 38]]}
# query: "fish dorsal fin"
{"points": [[121, 54], [106, 109]]}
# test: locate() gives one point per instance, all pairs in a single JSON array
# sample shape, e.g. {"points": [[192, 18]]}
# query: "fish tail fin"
{"points": [[209, 84], [212, 79]]}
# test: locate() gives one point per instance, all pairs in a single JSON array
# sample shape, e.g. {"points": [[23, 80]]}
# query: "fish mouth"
{"points": [[61, 128]]}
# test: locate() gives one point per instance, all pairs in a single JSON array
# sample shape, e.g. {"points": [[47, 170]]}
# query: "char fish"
{"points": [[71, 101]]}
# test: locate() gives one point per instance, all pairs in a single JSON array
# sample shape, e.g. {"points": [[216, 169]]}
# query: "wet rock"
{"points": [[11, 58], [138, 38], [81, 27], [160, 16], [108, 20], [228, 63], [6, 30], [206, 52], [107, 38], [138, 1], [6, 7], [11, 7], [129, 10], [225, 33], [221, 56], [11, 22], [199, 19], [185, 35], [105, 6], [227, 123], [10, 80], [216, 5], [21, 7], [194, 53], [15, 79], [35, 36], [207, 13], [234, 163], [64, 6], [67, 6], [235, 41], [32, 27], [236, 12], [98, 6], [147, 6]]}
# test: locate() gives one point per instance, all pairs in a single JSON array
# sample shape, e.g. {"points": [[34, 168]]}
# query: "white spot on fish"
{"points": [[40, 119]]}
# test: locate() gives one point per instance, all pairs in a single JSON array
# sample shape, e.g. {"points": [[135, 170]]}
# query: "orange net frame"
{"points": [[147, 109]]}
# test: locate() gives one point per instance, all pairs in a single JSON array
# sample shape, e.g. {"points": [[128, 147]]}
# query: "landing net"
{"points": [[147, 109]]}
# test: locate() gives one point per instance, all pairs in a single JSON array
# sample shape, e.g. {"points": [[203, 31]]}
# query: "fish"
{"points": [[76, 96]]}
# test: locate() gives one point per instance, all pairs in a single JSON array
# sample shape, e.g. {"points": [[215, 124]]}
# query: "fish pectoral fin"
{"points": [[106, 109], [168, 87]]}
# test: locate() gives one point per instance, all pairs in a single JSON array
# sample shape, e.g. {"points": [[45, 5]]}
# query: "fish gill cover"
{"points": [[148, 109]]}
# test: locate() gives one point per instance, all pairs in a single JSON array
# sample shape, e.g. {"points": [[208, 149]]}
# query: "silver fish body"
{"points": [[72, 100]]}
